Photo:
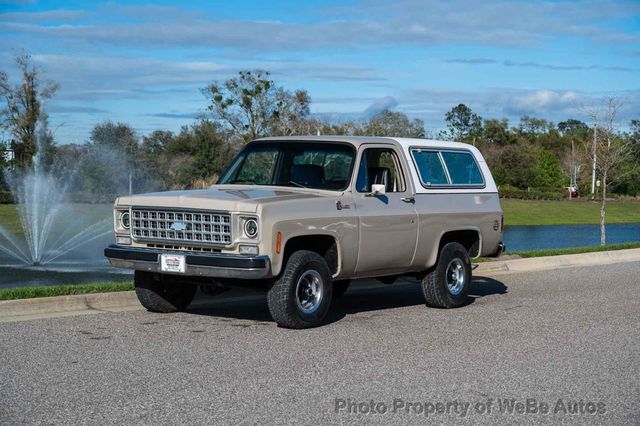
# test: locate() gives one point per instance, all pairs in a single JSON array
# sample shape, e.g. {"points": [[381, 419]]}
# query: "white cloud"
{"points": [[379, 105], [542, 102], [415, 22]]}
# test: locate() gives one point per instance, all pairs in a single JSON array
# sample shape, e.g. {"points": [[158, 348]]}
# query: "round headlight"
{"points": [[125, 220], [251, 228]]}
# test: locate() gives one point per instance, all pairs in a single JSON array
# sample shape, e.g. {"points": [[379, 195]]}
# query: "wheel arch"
{"points": [[325, 245], [469, 236]]}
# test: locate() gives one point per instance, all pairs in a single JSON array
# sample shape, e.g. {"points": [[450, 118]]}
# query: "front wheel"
{"points": [[447, 284], [301, 297], [161, 294]]}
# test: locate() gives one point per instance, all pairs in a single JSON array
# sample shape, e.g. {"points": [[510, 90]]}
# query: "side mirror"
{"points": [[377, 190]]}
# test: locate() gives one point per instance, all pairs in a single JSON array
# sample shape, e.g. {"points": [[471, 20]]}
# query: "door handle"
{"points": [[408, 199]]}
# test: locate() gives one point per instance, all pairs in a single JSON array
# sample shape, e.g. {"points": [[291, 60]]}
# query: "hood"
{"points": [[220, 197]]}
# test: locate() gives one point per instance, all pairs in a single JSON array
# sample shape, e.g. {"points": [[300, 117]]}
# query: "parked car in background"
{"points": [[299, 217], [573, 191]]}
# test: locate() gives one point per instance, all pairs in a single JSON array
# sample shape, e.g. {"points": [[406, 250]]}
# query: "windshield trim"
{"points": [[240, 158]]}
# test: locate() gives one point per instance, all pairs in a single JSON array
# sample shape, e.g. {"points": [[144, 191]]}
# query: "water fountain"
{"points": [[59, 243]]}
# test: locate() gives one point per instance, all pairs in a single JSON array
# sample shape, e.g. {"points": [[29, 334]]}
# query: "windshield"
{"points": [[318, 165]]}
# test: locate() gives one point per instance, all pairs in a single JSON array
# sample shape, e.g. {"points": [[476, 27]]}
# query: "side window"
{"points": [[462, 168], [379, 166], [429, 167]]}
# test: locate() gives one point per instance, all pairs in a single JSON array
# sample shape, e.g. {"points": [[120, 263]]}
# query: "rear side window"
{"points": [[462, 168], [430, 167], [447, 168]]}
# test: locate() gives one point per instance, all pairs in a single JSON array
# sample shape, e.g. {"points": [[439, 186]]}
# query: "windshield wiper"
{"points": [[298, 184]]}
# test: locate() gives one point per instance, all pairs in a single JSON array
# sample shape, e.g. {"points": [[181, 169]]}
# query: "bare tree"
{"points": [[23, 106], [611, 149], [253, 106]]}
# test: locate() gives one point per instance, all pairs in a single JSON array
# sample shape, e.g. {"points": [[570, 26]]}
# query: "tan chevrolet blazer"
{"points": [[301, 216]]}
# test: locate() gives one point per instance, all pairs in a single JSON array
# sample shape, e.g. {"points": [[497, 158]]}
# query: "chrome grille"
{"points": [[183, 226]]}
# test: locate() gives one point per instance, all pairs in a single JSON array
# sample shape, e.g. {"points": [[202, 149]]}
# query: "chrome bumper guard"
{"points": [[213, 265]]}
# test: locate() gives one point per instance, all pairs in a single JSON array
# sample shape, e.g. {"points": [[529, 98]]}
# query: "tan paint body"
{"points": [[375, 236]]}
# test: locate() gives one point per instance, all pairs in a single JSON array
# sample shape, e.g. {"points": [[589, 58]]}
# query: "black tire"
{"points": [[162, 294], [435, 288], [340, 287], [283, 299]]}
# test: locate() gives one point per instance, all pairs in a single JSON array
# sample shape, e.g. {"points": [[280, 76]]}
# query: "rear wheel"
{"points": [[447, 284], [162, 294], [301, 297]]}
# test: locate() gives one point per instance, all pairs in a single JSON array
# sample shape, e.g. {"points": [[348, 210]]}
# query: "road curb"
{"points": [[558, 262], [42, 307], [81, 304]]}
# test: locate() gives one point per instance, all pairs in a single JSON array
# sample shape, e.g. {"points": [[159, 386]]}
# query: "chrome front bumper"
{"points": [[213, 265]]}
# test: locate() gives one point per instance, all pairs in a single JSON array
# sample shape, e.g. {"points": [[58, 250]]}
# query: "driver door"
{"points": [[388, 224]]}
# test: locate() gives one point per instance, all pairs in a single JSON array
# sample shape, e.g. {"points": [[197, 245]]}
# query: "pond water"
{"points": [[60, 273], [564, 236]]}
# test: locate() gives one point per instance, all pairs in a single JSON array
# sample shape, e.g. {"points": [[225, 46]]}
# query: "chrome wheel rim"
{"points": [[309, 291], [455, 277]]}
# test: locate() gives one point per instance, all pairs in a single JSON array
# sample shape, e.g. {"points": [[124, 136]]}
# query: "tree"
{"points": [[497, 131], [548, 172], [252, 105], [611, 149], [118, 136], [462, 124], [572, 126], [24, 107], [112, 165], [198, 154], [291, 112], [390, 123], [518, 163]]}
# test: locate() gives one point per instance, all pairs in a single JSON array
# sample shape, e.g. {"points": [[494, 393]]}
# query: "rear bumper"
{"points": [[197, 264], [501, 249]]}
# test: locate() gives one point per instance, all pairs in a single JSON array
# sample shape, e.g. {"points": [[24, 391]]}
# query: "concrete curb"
{"points": [[59, 306], [44, 307], [81, 304], [558, 262]]}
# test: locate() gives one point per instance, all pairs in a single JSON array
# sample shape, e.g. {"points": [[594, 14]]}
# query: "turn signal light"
{"points": [[278, 242]]}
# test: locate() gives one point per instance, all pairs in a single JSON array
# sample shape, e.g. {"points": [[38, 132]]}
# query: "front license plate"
{"points": [[172, 263]]}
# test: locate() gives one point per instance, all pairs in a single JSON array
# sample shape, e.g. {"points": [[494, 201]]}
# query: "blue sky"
{"points": [[144, 63]]}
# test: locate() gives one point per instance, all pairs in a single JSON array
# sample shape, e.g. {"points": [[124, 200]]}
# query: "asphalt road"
{"points": [[570, 335]]}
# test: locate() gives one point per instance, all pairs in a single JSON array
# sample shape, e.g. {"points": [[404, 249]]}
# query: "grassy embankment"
{"points": [[63, 290], [576, 212]]}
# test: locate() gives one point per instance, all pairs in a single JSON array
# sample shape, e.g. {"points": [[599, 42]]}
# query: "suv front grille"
{"points": [[181, 226]]}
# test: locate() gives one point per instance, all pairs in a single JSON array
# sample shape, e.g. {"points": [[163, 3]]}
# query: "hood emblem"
{"points": [[178, 226]]}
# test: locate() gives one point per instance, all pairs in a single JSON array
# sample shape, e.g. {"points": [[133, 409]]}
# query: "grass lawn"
{"points": [[63, 290], [574, 250], [576, 212], [87, 213], [9, 218]]}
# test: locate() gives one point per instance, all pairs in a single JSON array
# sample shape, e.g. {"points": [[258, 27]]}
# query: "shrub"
{"points": [[6, 197]]}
